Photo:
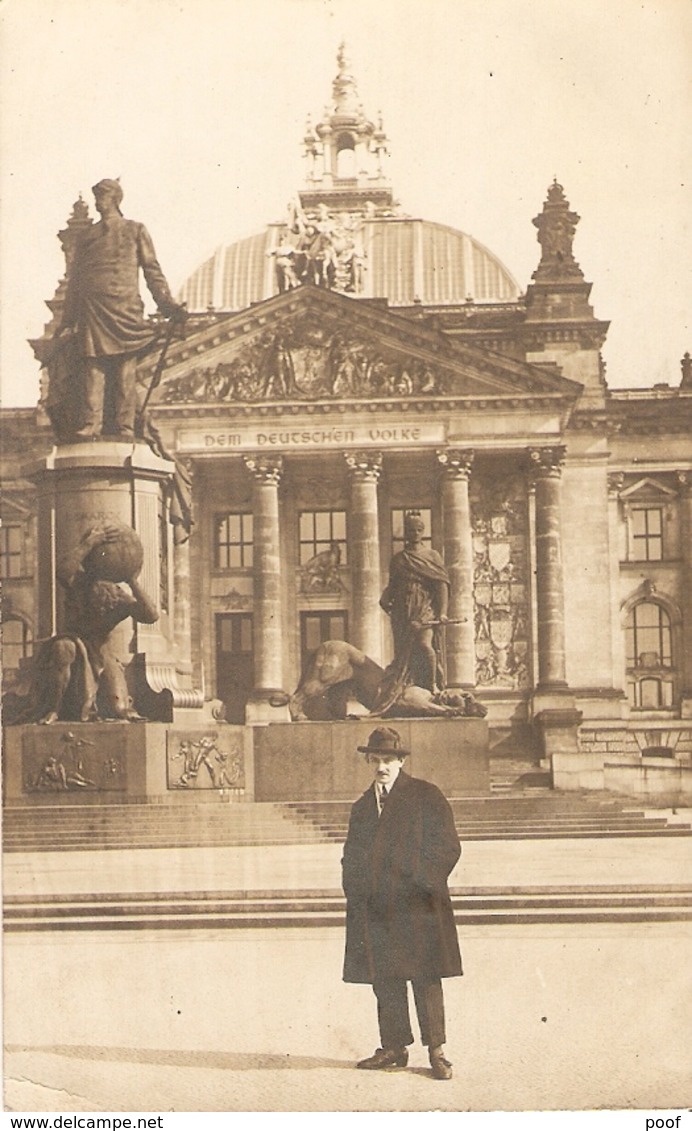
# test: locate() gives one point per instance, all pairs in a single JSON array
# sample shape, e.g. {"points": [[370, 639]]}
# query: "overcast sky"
{"points": [[199, 107]]}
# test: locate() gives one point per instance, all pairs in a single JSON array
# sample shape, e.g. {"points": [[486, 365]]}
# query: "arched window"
{"points": [[17, 642], [649, 654], [345, 158]]}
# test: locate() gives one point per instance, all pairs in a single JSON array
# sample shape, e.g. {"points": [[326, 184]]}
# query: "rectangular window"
{"points": [[648, 636], [398, 516], [233, 541], [646, 526], [320, 531], [315, 628], [651, 694], [12, 551], [16, 643], [235, 664]]}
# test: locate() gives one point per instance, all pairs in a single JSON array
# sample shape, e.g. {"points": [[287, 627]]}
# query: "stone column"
{"points": [[616, 481], [365, 631], [458, 556], [268, 622], [182, 605], [546, 467], [685, 487]]}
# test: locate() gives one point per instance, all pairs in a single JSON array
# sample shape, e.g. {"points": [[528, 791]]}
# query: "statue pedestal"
{"points": [[116, 763], [83, 485], [304, 761], [197, 760]]}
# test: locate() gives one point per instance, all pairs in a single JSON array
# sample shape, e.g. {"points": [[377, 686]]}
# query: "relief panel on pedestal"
{"points": [[58, 761], [205, 760]]}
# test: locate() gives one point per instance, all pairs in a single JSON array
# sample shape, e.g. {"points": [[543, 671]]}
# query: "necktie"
{"points": [[383, 796]]}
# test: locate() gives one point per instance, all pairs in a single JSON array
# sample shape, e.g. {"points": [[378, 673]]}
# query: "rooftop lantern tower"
{"points": [[346, 153]]}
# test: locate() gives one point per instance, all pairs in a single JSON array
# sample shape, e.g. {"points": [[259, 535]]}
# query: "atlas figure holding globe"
{"points": [[77, 674]]}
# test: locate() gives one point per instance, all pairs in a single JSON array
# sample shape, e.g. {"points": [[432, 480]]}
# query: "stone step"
{"points": [[269, 813], [127, 843], [222, 910], [79, 827]]}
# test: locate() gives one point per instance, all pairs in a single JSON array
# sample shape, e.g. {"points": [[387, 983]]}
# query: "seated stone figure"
{"points": [[76, 674]]}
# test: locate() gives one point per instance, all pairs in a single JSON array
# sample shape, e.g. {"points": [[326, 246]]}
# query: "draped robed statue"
{"points": [[416, 600]]}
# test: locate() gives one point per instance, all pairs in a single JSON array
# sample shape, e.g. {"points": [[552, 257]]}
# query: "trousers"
{"points": [[393, 1013], [111, 395]]}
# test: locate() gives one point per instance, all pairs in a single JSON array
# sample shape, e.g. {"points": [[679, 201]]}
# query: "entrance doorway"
{"points": [[235, 663], [315, 628]]}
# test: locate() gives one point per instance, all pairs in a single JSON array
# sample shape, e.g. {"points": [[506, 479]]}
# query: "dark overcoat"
{"points": [[399, 918]]}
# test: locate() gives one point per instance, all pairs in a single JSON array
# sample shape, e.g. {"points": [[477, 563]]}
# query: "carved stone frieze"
{"points": [[58, 761], [205, 760], [303, 360], [501, 597], [322, 573], [234, 599]]}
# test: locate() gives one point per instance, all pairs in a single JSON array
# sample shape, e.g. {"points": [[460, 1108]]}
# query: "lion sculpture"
{"points": [[338, 673]]}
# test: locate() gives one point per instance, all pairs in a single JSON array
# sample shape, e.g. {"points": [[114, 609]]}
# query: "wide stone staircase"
{"points": [[310, 833], [223, 910], [534, 814], [531, 814]]}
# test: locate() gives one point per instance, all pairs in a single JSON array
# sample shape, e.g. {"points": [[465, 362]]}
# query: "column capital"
{"points": [[546, 463], [456, 463], [616, 481], [365, 466], [265, 469]]}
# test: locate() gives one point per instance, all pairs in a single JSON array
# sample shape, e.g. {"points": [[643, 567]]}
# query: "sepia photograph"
{"points": [[346, 557]]}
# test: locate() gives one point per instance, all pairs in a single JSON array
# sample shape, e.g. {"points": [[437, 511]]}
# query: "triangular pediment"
{"points": [[316, 345], [14, 510], [647, 489]]}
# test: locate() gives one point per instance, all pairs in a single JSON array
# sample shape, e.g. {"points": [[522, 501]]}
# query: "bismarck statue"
{"points": [[103, 332], [414, 684], [77, 675]]}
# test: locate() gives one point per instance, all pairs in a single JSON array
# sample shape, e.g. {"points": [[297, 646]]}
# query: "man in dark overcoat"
{"points": [[402, 845]]}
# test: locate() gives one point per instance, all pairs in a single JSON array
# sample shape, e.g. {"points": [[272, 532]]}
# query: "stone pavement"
{"points": [[546, 1018]]}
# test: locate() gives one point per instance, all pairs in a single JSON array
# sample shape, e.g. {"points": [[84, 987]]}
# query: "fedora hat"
{"points": [[384, 740]]}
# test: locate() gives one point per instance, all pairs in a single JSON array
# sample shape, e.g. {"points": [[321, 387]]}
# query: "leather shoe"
{"points": [[441, 1068], [385, 1058]]}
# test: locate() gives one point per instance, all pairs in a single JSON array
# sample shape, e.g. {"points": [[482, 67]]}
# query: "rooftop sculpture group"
{"points": [[321, 249]]}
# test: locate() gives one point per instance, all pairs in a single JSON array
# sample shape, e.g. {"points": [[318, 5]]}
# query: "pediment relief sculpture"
{"points": [[304, 361]]}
